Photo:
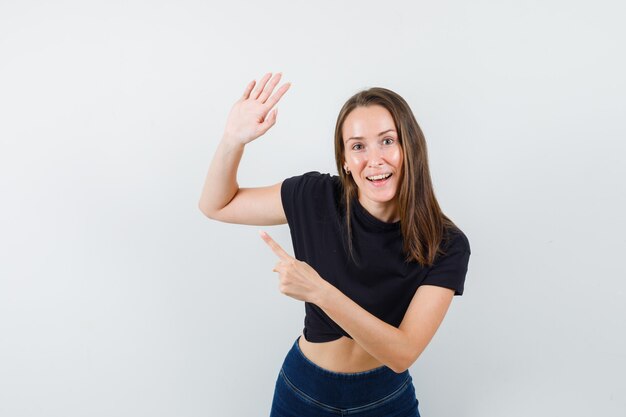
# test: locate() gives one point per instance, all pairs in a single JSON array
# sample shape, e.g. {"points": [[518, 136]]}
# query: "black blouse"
{"points": [[380, 280]]}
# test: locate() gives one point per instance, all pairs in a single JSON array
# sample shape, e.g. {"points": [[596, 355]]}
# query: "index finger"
{"points": [[274, 246]]}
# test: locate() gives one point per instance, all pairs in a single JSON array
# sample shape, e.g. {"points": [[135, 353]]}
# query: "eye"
{"points": [[389, 139], [357, 144]]}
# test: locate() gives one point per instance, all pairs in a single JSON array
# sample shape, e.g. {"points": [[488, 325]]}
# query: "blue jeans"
{"points": [[304, 389]]}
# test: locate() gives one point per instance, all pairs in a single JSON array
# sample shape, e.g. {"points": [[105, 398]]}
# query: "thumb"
{"points": [[270, 120]]}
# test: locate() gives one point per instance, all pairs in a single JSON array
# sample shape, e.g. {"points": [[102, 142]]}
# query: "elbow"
{"points": [[400, 367], [403, 363], [397, 369], [206, 212]]}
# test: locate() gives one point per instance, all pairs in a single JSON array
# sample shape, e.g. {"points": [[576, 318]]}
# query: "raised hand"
{"points": [[248, 119], [297, 278]]}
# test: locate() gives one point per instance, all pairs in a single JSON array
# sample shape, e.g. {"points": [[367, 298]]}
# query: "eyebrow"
{"points": [[361, 137]]}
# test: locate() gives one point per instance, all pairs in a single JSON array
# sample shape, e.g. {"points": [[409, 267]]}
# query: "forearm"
{"points": [[220, 185], [383, 341]]}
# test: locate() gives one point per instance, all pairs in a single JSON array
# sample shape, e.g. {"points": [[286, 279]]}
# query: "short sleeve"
{"points": [[449, 270], [300, 197], [292, 192]]}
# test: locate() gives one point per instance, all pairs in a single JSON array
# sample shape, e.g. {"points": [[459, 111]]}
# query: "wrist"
{"points": [[324, 294], [232, 142]]}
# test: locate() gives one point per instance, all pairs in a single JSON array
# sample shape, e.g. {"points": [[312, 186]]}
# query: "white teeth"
{"points": [[378, 177]]}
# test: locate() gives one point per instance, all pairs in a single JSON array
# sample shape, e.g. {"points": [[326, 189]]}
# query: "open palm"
{"points": [[248, 119]]}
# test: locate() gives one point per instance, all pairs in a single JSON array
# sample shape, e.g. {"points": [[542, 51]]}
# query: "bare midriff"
{"points": [[340, 355]]}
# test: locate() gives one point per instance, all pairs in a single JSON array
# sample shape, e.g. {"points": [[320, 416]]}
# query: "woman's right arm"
{"points": [[221, 198]]}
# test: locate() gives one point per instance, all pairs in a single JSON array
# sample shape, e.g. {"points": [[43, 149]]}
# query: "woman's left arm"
{"points": [[397, 348]]}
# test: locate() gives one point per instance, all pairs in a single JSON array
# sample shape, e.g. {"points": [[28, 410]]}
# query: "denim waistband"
{"points": [[339, 389]]}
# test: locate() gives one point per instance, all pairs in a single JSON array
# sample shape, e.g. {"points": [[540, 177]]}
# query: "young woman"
{"points": [[376, 262]]}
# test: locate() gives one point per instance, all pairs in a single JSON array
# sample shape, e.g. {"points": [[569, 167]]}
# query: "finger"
{"points": [[280, 252], [278, 267], [246, 93], [270, 87], [260, 86], [270, 120], [271, 102]]}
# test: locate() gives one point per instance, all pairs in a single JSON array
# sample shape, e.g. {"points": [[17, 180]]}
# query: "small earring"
{"points": [[346, 169]]}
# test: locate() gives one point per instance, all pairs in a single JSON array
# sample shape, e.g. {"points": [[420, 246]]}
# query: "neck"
{"points": [[385, 212]]}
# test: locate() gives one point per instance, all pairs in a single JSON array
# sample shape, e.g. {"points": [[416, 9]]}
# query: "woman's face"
{"points": [[372, 148]]}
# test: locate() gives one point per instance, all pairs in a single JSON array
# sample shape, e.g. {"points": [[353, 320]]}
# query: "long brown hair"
{"points": [[422, 222]]}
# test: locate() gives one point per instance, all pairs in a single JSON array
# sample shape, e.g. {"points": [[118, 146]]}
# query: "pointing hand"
{"points": [[297, 278]]}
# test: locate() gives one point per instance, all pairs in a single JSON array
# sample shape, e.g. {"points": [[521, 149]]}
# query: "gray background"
{"points": [[119, 298]]}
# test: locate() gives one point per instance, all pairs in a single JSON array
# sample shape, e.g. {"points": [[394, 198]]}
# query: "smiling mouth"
{"points": [[378, 180]]}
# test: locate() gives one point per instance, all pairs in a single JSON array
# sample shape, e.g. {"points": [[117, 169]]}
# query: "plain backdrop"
{"points": [[119, 298]]}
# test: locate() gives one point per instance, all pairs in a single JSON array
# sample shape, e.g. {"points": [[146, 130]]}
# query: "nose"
{"points": [[375, 157]]}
